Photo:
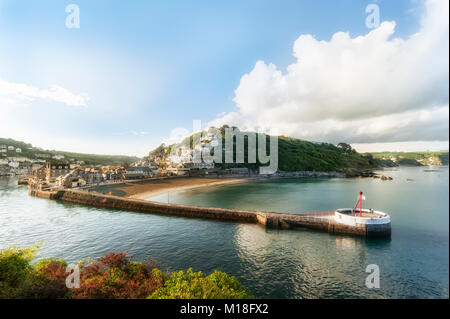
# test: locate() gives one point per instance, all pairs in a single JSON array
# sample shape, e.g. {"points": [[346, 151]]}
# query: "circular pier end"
{"points": [[371, 222], [378, 230]]}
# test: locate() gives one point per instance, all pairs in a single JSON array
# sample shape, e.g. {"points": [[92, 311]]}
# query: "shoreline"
{"points": [[144, 190], [152, 193]]}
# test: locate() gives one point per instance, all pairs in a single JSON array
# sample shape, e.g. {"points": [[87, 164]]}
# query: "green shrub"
{"points": [[50, 280], [193, 285], [16, 273]]}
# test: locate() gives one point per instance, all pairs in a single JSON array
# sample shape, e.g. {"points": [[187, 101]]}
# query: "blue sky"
{"points": [[147, 67]]}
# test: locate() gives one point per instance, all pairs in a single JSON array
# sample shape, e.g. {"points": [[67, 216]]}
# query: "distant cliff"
{"points": [[415, 158]]}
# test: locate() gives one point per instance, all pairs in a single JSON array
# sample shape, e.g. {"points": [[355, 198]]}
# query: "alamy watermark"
{"points": [[373, 279], [373, 17], [227, 145], [73, 19], [73, 279]]}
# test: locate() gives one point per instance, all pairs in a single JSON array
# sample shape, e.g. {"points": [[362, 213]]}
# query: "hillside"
{"points": [[300, 155], [415, 158], [36, 153]]}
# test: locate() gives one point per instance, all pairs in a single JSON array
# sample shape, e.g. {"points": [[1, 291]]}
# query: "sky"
{"points": [[136, 73]]}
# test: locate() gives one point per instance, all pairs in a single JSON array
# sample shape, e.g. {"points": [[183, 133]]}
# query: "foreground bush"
{"points": [[15, 272], [193, 285], [113, 276], [116, 276]]}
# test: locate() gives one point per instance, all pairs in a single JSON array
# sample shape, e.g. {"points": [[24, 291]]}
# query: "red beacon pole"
{"points": [[360, 199]]}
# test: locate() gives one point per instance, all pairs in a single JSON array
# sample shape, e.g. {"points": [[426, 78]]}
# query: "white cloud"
{"points": [[370, 88], [14, 93]]}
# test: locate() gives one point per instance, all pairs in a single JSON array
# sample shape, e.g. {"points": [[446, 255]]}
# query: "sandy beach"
{"points": [[150, 188]]}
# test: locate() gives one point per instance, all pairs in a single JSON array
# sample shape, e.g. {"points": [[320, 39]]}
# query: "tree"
{"points": [[346, 148], [160, 151]]}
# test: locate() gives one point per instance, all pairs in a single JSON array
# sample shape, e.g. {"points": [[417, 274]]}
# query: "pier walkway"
{"points": [[317, 220]]}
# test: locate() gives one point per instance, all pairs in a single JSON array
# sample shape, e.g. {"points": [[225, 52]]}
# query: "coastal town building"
{"points": [[14, 164], [156, 171], [178, 170], [239, 171], [140, 172], [58, 157], [71, 180], [62, 175], [40, 173], [201, 165], [43, 155], [11, 166], [54, 170]]}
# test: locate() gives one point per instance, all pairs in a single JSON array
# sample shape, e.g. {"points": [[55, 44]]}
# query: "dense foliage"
{"points": [[114, 276], [294, 155], [16, 273], [193, 285], [299, 155]]}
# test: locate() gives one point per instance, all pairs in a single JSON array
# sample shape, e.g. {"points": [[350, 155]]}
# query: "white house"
{"points": [[18, 150], [14, 164], [58, 157]]}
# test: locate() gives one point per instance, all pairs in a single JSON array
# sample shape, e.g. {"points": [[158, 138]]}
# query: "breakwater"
{"points": [[323, 221]]}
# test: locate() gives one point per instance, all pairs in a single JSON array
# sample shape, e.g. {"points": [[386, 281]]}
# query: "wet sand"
{"points": [[150, 188]]}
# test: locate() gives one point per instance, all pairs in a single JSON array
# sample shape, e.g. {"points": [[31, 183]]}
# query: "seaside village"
{"points": [[55, 171], [13, 163]]}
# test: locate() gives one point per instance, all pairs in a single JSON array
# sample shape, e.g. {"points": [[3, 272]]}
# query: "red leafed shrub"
{"points": [[50, 279], [117, 276], [115, 260]]}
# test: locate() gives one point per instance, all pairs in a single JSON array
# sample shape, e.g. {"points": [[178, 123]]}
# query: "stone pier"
{"points": [[321, 221]]}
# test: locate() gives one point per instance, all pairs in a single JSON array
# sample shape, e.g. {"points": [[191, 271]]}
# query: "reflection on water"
{"points": [[346, 243], [271, 263], [313, 265]]}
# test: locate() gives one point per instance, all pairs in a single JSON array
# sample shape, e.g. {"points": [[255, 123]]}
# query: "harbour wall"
{"points": [[323, 222]]}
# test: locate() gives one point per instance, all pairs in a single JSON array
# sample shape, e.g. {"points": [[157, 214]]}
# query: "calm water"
{"points": [[271, 263]]}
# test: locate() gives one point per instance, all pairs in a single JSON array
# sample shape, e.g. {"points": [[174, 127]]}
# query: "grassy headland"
{"points": [[32, 152], [293, 155]]}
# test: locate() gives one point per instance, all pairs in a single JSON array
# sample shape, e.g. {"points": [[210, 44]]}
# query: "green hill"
{"points": [[298, 155], [29, 151]]}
